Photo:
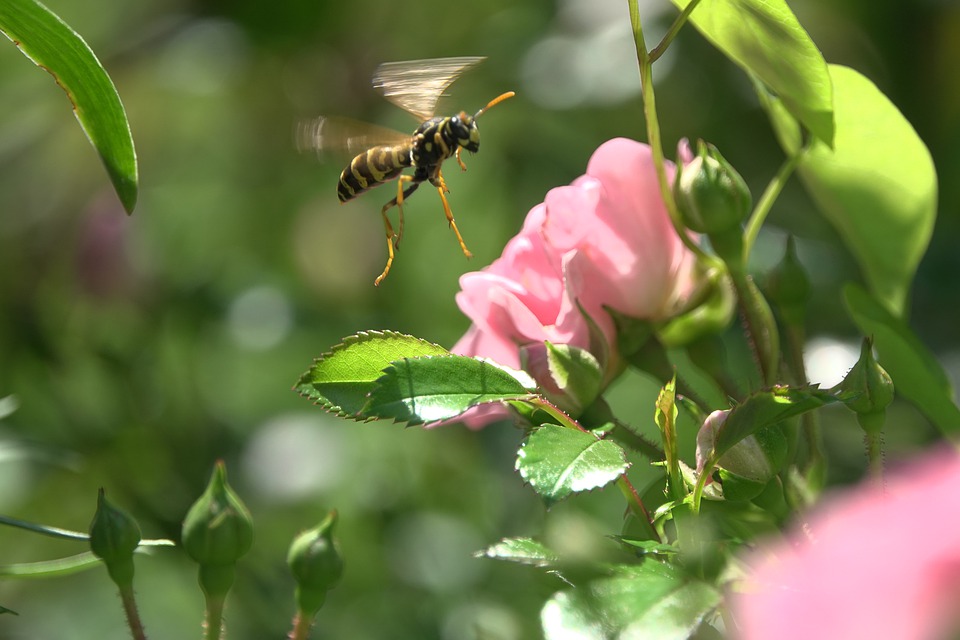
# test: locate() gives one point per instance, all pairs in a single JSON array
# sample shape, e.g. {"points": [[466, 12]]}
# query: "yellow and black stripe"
{"points": [[371, 168]]}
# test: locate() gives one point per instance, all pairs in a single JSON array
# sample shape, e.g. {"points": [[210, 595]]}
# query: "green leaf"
{"points": [[558, 461], [435, 388], [341, 380], [51, 568], [55, 47], [762, 409], [648, 547], [651, 600], [916, 373], [765, 39], [5, 610], [522, 551], [878, 186]]}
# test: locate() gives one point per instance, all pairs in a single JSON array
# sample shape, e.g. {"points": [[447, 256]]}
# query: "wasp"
{"points": [[415, 86]]}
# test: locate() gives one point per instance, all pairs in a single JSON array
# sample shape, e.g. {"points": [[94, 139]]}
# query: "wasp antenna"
{"points": [[500, 98]]}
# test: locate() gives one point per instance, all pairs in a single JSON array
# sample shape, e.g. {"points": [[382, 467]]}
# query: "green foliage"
{"points": [[878, 190], [341, 380], [650, 600], [559, 461], [521, 551], [55, 47], [916, 373], [766, 40]]}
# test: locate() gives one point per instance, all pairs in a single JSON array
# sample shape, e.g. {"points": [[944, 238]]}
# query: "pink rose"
{"points": [[875, 563], [604, 241]]}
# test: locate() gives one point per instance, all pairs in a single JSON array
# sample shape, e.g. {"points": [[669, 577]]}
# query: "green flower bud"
{"points": [[711, 196], [114, 535], [217, 531], [747, 467], [316, 564], [789, 286], [870, 389]]}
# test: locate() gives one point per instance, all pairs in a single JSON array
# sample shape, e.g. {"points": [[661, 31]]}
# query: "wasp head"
{"points": [[464, 128]]}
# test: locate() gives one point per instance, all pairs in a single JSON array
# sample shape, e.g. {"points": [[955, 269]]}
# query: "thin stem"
{"points": [[765, 203], [133, 616], [213, 625], [874, 442], [810, 422], [635, 503], [55, 532], [653, 134], [301, 626], [681, 20]]}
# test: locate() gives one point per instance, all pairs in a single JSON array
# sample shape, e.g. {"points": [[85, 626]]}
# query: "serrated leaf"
{"points": [[521, 550], [435, 388], [917, 375], [765, 38], [762, 409], [341, 380], [877, 186], [55, 47], [557, 461], [651, 600]]}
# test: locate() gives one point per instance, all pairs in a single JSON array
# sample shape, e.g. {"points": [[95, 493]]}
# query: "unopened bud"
{"points": [[789, 286], [316, 564], [747, 467], [711, 196], [217, 531], [870, 389], [114, 535]]}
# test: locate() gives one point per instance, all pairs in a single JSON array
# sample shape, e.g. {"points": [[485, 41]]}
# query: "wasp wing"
{"points": [[343, 134], [416, 85]]}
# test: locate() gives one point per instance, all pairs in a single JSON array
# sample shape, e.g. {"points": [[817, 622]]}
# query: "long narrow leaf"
{"points": [[47, 40]]}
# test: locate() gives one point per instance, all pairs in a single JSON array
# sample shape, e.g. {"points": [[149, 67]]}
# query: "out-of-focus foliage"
{"points": [[142, 349]]}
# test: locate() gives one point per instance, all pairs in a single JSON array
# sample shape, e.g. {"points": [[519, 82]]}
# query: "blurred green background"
{"points": [[138, 350]]}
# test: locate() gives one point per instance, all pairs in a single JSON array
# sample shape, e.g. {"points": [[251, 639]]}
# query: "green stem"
{"points": [[762, 332], [765, 203], [653, 134], [874, 443], [45, 530], [301, 626], [672, 32], [133, 616], [810, 422], [213, 625]]}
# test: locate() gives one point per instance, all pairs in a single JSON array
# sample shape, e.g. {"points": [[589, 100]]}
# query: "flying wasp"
{"points": [[415, 86]]}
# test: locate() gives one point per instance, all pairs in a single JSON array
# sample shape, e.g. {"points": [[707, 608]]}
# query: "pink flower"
{"points": [[874, 564], [603, 241]]}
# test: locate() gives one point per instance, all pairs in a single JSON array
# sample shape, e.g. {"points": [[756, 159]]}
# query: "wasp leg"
{"points": [[441, 186], [394, 240], [463, 167]]}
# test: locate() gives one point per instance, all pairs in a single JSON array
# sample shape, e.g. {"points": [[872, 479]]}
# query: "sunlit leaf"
{"points": [[55, 47], [558, 461], [878, 186], [916, 373], [763, 409], [434, 388], [648, 601], [766, 39], [522, 551], [341, 380]]}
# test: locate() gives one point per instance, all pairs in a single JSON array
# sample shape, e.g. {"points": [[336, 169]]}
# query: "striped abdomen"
{"points": [[371, 168]]}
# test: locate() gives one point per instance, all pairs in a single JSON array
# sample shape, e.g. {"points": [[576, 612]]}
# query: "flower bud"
{"points": [[217, 531], [316, 564], [747, 467], [870, 389], [789, 286], [114, 535], [711, 196]]}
